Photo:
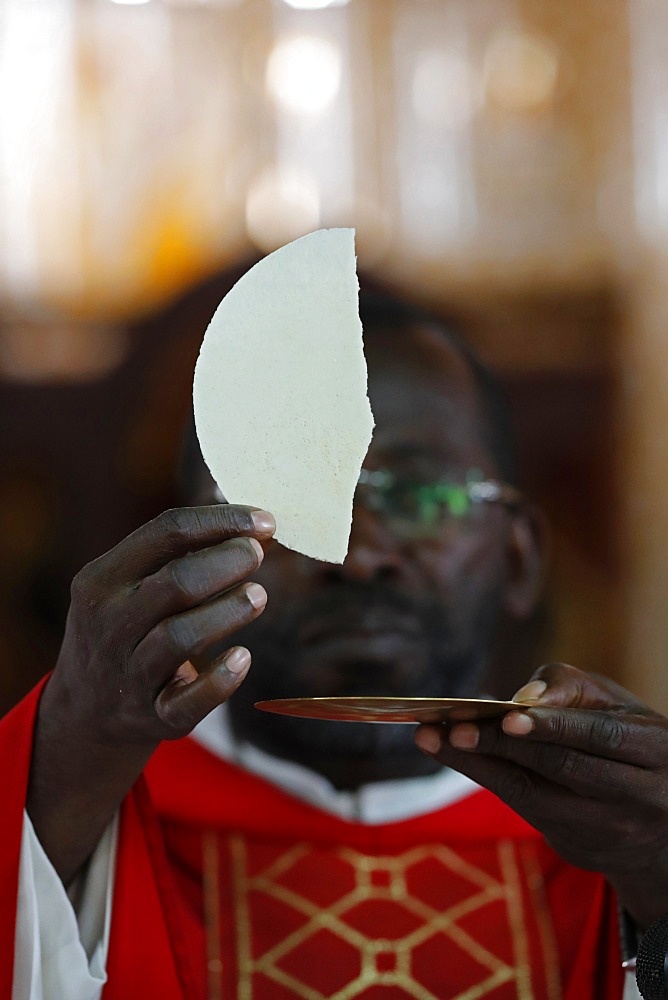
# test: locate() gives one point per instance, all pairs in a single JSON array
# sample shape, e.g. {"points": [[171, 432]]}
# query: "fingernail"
{"points": [[186, 673], [237, 660], [517, 724], [428, 740], [259, 551], [464, 736], [263, 521], [256, 594], [531, 691]]}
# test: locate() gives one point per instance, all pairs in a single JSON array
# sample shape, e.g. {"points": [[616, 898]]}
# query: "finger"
{"points": [[582, 772], [571, 823], [554, 684], [527, 793], [181, 706], [633, 739], [187, 635], [560, 684], [571, 754], [174, 533], [191, 580]]}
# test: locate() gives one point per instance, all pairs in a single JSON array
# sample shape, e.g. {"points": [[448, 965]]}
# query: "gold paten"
{"points": [[383, 709]]}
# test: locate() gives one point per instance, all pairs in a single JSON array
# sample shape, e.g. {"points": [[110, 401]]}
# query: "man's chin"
{"points": [[347, 753], [347, 667]]}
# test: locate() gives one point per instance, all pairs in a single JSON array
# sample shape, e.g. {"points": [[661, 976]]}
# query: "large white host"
{"points": [[280, 392]]}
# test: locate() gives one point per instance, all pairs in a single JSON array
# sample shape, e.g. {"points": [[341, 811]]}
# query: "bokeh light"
{"points": [[520, 71], [303, 73], [282, 204], [445, 90]]}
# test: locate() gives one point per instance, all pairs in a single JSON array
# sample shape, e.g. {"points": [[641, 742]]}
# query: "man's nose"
{"points": [[373, 551]]}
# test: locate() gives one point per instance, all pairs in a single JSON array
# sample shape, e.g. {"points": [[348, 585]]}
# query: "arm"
{"points": [[165, 597], [587, 765]]}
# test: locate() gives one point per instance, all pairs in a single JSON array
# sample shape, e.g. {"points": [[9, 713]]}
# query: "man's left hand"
{"points": [[587, 765]]}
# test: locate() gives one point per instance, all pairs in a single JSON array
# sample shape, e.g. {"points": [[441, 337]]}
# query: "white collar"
{"points": [[376, 803]]}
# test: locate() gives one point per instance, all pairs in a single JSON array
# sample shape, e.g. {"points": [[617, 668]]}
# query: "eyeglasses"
{"points": [[417, 509]]}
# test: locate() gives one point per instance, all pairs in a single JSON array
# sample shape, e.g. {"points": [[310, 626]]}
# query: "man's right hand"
{"points": [[124, 681]]}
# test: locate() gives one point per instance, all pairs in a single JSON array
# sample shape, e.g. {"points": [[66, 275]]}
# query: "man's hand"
{"points": [[587, 765], [125, 680]]}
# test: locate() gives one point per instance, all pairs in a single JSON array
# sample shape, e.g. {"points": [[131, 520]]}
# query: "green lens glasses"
{"points": [[417, 508]]}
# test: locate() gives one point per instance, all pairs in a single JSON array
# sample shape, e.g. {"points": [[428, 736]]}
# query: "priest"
{"points": [[163, 838]]}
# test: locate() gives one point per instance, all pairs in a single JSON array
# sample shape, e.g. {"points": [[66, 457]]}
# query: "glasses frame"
{"points": [[476, 490]]}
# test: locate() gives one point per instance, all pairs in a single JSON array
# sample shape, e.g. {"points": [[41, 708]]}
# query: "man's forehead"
{"points": [[423, 343], [423, 393], [420, 359]]}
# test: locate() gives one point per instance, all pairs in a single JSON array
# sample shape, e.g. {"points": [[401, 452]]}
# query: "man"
{"points": [[272, 857]]}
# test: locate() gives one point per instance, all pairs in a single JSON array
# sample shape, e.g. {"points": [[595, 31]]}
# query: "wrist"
{"points": [[77, 782], [643, 899]]}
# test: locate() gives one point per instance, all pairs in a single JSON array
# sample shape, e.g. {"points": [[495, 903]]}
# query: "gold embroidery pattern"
{"points": [[512, 883], [382, 961], [211, 894], [543, 919]]}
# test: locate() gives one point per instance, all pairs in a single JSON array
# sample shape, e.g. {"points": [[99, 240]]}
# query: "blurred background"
{"points": [[503, 161]]}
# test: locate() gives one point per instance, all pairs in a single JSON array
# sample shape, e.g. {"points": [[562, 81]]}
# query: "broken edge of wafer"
{"points": [[280, 392]]}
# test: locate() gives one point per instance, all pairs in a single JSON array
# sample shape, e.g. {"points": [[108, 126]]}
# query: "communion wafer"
{"points": [[280, 392]]}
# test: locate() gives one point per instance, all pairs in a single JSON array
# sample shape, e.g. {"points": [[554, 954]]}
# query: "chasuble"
{"points": [[228, 888]]}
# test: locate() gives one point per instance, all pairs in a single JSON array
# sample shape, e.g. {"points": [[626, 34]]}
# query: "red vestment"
{"points": [[229, 889]]}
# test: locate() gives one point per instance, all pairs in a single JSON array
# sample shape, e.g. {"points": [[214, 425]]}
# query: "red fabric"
{"points": [[188, 781], [16, 730], [565, 942], [147, 947], [306, 905], [141, 941]]}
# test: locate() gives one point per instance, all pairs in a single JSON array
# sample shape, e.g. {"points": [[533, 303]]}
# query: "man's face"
{"points": [[403, 616]]}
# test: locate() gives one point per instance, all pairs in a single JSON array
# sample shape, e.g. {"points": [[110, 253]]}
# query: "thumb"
{"points": [[560, 685]]}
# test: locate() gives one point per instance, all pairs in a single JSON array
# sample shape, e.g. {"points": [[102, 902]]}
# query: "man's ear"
{"points": [[527, 557]]}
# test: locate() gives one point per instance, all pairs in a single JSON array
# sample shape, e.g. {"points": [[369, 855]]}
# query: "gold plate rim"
{"points": [[386, 709]]}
